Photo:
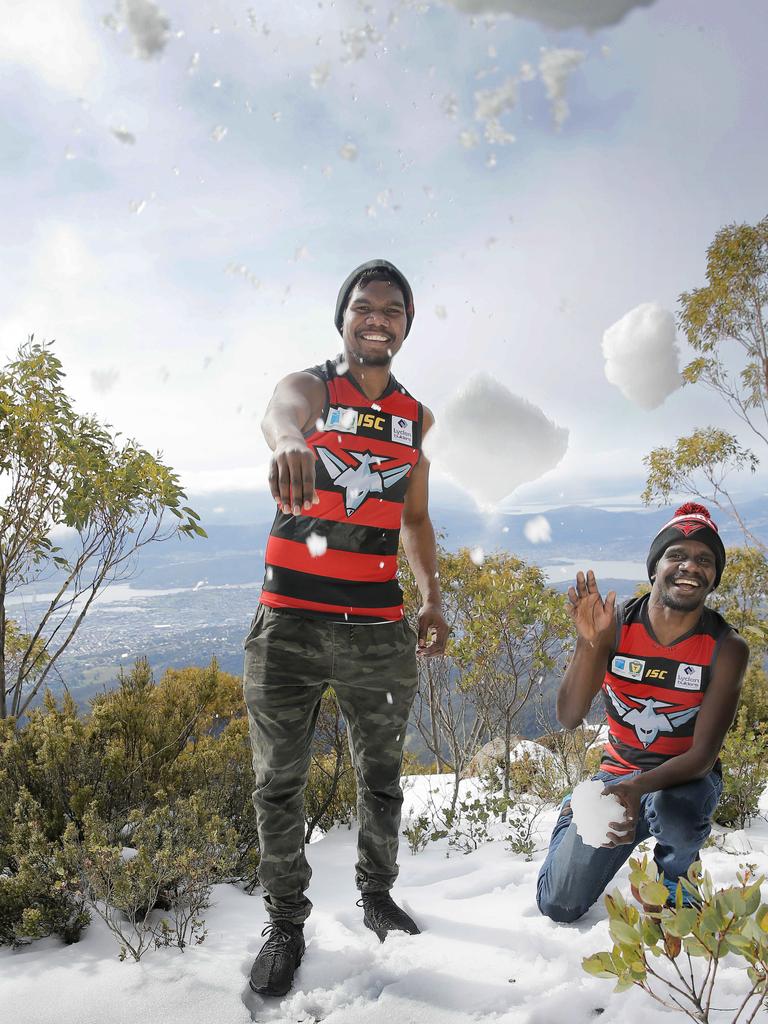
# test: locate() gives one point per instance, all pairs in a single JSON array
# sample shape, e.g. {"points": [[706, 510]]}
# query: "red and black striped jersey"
{"points": [[653, 692], [339, 560]]}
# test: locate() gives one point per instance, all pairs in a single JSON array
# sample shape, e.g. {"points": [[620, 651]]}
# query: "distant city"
{"points": [[192, 600]]}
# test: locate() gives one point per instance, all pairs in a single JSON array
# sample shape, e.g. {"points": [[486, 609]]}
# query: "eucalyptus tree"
{"points": [[60, 469]]}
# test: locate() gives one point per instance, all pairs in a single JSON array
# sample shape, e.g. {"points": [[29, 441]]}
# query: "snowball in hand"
{"points": [[491, 441], [641, 355], [593, 813]]}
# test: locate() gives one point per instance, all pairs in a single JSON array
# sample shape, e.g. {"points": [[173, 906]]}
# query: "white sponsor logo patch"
{"points": [[688, 677], [342, 419], [629, 668], [402, 430]]}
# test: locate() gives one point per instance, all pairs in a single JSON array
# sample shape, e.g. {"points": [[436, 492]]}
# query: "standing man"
{"points": [[349, 479], [671, 672]]}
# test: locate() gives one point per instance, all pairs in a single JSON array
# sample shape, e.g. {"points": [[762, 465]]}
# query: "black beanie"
{"points": [[386, 267], [689, 521]]}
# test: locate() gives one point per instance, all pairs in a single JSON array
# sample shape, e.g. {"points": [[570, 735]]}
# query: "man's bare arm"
{"points": [[295, 405], [595, 622], [418, 538]]}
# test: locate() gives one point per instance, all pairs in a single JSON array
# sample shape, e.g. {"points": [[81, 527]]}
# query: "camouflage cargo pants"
{"points": [[290, 661]]}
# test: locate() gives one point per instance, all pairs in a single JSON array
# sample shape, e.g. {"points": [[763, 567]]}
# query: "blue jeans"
{"points": [[573, 876]]}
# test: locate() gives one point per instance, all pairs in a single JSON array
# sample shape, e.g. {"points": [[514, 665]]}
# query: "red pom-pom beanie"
{"points": [[690, 522]]}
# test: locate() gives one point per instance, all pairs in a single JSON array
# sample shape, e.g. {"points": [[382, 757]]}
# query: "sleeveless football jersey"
{"points": [[652, 692], [339, 560]]}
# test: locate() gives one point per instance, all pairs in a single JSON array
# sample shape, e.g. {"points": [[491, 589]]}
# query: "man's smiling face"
{"points": [[374, 323], [685, 574]]}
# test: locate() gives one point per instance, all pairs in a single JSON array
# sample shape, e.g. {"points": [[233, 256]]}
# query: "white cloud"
{"points": [[555, 66], [52, 39], [538, 530], [490, 441], [641, 355], [559, 14]]}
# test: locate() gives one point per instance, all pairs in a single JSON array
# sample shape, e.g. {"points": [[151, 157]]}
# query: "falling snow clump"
{"points": [[537, 530], [641, 355], [317, 545], [477, 555], [491, 441], [103, 381], [148, 26], [593, 812], [124, 136], [555, 66]]}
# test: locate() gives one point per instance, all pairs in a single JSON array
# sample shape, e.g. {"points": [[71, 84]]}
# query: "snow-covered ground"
{"points": [[485, 954]]}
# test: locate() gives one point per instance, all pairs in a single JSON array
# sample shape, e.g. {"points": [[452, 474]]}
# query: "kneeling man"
{"points": [[671, 672]]}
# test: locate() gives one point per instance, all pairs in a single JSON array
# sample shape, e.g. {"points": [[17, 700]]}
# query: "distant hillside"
{"points": [[235, 554]]}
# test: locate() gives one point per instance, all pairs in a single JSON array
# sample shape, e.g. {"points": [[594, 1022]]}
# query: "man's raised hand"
{"points": [[292, 477], [591, 615]]}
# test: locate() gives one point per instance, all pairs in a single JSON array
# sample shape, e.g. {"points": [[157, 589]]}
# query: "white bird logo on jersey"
{"points": [[646, 720], [360, 481]]}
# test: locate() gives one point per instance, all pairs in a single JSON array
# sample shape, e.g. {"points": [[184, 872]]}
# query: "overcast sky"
{"points": [[181, 205]]}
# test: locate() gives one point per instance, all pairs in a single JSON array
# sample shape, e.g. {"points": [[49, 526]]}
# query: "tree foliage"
{"points": [[509, 629], [60, 469], [725, 321]]}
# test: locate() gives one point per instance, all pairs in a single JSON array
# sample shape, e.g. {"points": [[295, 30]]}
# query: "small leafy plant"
{"points": [[674, 952]]}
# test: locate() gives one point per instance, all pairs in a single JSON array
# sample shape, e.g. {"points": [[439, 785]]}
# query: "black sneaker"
{"points": [[382, 915], [274, 967]]}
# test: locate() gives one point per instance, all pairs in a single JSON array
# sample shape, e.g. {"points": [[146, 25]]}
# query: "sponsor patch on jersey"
{"points": [[629, 668], [341, 419], [688, 677], [402, 430]]}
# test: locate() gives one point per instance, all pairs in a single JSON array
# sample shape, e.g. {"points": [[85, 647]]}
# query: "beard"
{"points": [[677, 606], [682, 604], [374, 359]]}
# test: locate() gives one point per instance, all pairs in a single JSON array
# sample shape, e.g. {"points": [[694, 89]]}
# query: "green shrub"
{"points": [[39, 894], [674, 952], [744, 758], [177, 854], [220, 767]]}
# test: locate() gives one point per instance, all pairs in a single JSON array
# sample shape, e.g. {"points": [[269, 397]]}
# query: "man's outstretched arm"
{"points": [[298, 400], [418, 538]]}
